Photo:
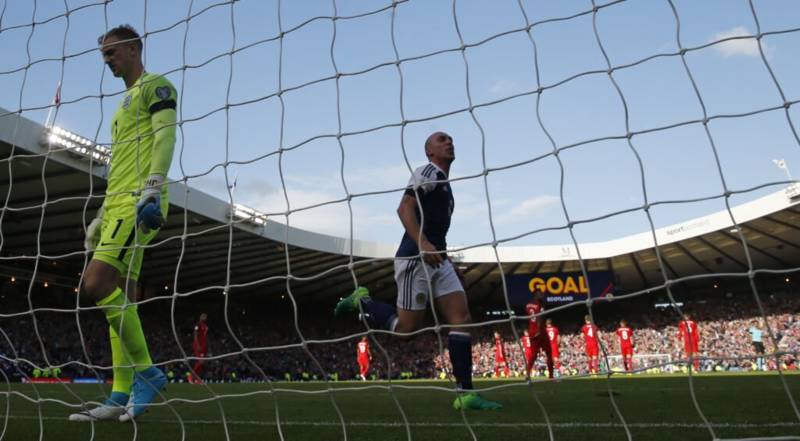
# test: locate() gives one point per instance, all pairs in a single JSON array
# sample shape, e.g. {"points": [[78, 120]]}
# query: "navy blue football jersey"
{"points": [[437, 203]]}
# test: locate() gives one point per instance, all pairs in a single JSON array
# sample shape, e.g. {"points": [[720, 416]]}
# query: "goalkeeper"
{"points": [[143, 139], [422, 258]]}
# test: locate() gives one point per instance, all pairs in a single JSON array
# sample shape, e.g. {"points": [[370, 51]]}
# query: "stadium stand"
{"points": [[723, 324]]}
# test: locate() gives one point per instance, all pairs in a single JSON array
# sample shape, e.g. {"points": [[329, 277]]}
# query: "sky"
{"points": [[253, 81]]}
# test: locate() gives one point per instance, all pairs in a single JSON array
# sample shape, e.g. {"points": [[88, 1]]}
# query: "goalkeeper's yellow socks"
{"points": [[124, 318], [123, 372]]}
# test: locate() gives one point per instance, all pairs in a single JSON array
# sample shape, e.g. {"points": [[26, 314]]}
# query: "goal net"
{"points": [[630, 160]]}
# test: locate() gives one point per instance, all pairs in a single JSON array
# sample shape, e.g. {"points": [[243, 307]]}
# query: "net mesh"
{"points": [[278, 147]]}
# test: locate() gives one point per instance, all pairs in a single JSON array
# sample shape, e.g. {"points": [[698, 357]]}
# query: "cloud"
{"points": [[527, 209], [333, 219], [374, 218], [504, 88], [359, 180], [378, 178], [745, 46]]}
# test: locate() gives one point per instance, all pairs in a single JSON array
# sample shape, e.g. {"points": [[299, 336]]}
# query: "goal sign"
{"points": [[559, 288]]}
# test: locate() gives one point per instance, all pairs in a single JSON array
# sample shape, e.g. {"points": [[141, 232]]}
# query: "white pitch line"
{"points": [[566, 425]]}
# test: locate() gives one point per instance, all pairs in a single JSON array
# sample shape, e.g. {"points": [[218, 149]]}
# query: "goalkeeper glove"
{"points": [[93, 231], [148, 209]]}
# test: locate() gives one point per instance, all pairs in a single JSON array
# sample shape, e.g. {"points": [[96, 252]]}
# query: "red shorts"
{"points": [[528, 354], [554, 351], [199, 352], [363, 364], [627, 351], [591, 351], [541, 343]]}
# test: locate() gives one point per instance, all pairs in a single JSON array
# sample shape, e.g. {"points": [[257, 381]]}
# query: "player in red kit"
{"points": [[589, 331], [539, 340], [199, 348], [500, 356], [552, 336], [625, 337], [364, 356], [687, 331], [528, 348]]}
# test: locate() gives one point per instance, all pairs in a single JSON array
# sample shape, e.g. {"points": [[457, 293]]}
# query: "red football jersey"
{"points": [[526, 343], [590, 335], [687, 330], [499, 350], [363, 349], [625, 336], [552, 334], [531, 309], [200, 333]]}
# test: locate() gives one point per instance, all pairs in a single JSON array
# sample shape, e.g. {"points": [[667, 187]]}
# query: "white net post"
{"points": [[280, 148]]}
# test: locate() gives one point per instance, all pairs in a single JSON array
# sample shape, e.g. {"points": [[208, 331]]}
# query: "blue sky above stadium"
{"points": [[232, 51]]}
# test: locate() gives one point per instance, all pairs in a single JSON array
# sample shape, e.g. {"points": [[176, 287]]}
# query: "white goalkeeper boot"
{"points": [[111, 409], [106, 411]]}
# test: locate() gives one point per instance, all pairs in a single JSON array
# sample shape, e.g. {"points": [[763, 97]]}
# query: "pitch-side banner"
{"points": [[559, 288]]}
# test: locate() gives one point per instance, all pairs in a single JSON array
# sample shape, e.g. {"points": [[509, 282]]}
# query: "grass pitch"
{"points": [[654, 408]]}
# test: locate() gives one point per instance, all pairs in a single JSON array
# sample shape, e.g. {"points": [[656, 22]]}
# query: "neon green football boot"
{"points": [[350, 303], [474, 401]]}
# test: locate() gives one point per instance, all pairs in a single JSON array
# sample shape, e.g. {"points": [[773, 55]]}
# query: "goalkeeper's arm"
{"points": [[149, 216], [164, 127]]}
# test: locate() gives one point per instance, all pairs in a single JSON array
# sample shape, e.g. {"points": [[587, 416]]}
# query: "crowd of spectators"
{"points": [[725, 339], [253, 348]]}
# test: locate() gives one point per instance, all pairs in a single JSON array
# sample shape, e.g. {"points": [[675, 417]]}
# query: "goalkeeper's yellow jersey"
{"points": [[132, 138]]}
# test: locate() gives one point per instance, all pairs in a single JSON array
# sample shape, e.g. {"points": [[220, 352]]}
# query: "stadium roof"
{"points": [[52, 190]]}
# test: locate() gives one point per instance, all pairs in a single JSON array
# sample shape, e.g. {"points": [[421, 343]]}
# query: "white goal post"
{"points": [[573, 123]]}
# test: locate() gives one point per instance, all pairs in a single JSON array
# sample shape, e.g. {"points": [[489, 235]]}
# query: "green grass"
{"points": [[655, 408]]}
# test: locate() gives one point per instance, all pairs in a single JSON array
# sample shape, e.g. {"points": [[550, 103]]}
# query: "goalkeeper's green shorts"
{"points": [[121, 245]]}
